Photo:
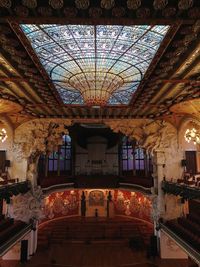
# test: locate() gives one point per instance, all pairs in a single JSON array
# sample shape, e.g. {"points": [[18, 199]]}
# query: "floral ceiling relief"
{"points": [[61, 204], [132, 204]]}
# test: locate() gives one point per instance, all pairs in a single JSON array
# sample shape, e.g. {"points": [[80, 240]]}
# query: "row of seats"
{"points": [[63, 230], [187, 235], [5, 223], [194, 217], [11, 231], [190, 225]]}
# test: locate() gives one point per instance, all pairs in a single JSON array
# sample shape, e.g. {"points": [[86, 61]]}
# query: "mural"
{"points": [[61, 204], [132, 204], [96, 198], [68, 203]]}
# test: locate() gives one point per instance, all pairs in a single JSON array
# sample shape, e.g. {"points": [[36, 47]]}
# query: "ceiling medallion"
{"points": [[185, 4], [21, 11], [70, 12], [45, 11], [143, 12], [30, 3], [82, 4], [5, 3], [118, 11], [107, 4], [169, 12], [160, 4], [95, 12], [56, 4], [133, 4]]}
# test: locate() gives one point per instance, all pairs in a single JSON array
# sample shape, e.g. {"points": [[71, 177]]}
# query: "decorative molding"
{"points": [[150, 134], [28, 206], [36, 137]]}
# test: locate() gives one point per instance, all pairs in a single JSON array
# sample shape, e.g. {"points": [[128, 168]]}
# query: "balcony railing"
{"points": [[189, 250], [185, 191], [8, 190], [12, 240]]}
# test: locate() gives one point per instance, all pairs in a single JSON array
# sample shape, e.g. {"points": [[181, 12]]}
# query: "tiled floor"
{"points": [[93, 255]]}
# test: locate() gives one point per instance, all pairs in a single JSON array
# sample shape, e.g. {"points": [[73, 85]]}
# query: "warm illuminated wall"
{"points": [[133, 204], [61, 204], [67, 203]]}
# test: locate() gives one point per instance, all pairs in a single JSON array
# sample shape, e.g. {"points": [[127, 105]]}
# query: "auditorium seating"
{"points": [[91, 230], [8, 228], [187, 228]]}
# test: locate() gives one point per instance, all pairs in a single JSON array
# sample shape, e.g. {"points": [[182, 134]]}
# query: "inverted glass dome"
{"points": [[95, 65]]}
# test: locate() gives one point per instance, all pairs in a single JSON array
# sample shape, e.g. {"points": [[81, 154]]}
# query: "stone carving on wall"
{"points": [[36, 137], [150, 134], [25, 207], [154, 135]]}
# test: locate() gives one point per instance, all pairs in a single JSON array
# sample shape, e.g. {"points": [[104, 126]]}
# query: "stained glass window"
{"points": [[135, 160], [59, 161], [95, 65]]}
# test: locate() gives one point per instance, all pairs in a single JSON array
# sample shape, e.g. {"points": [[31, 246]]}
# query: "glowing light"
{"points": [[191, 135], [3, 135], [95, 64]]}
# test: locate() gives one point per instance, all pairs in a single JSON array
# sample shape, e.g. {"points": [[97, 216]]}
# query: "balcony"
{"points": [[8, 190], [183, 190]]}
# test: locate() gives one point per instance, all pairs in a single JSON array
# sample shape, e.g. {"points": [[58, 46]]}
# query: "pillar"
{"points": [[159, 161]]}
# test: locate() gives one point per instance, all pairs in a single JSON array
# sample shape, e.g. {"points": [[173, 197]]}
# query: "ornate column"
{"points": [[159, 164]]}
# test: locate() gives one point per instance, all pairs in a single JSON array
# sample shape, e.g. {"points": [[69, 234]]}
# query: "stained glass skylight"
{"points": [[95, 65]]}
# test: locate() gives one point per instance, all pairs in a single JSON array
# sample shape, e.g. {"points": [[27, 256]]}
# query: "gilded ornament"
{"points": [[186, 30], [118, 12], [30, 3], [133, 4], [5, 3], [160, 4], [3, 39], [107, 4], [169, 12], [189, 38], [82, 4], [70, 12], [95, 12], [21, 11], [5, 29], [45, 11], [178, 43], [143, 12], [185, 4], [56, 4], [17, 59], [194, 13], [10, 50]]}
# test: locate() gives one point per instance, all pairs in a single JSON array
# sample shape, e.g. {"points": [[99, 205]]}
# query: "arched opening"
{"points": [[135, 160], [58, 163]]}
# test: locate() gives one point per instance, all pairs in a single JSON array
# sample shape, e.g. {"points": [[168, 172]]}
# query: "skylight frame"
{"points": [[74, 93]]}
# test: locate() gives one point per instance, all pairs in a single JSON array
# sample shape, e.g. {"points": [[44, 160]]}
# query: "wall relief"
{"points": [[25, 207]]}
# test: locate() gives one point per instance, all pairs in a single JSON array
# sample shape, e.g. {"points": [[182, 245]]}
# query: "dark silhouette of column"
{"points": [[83, 204], [109, 199]]}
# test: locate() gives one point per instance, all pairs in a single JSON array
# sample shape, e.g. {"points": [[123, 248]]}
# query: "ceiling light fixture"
{"points": [[3, 135], [191, 135]]}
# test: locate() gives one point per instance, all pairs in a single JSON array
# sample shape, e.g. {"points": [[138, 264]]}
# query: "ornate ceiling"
{"points": [[36, 86]]}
